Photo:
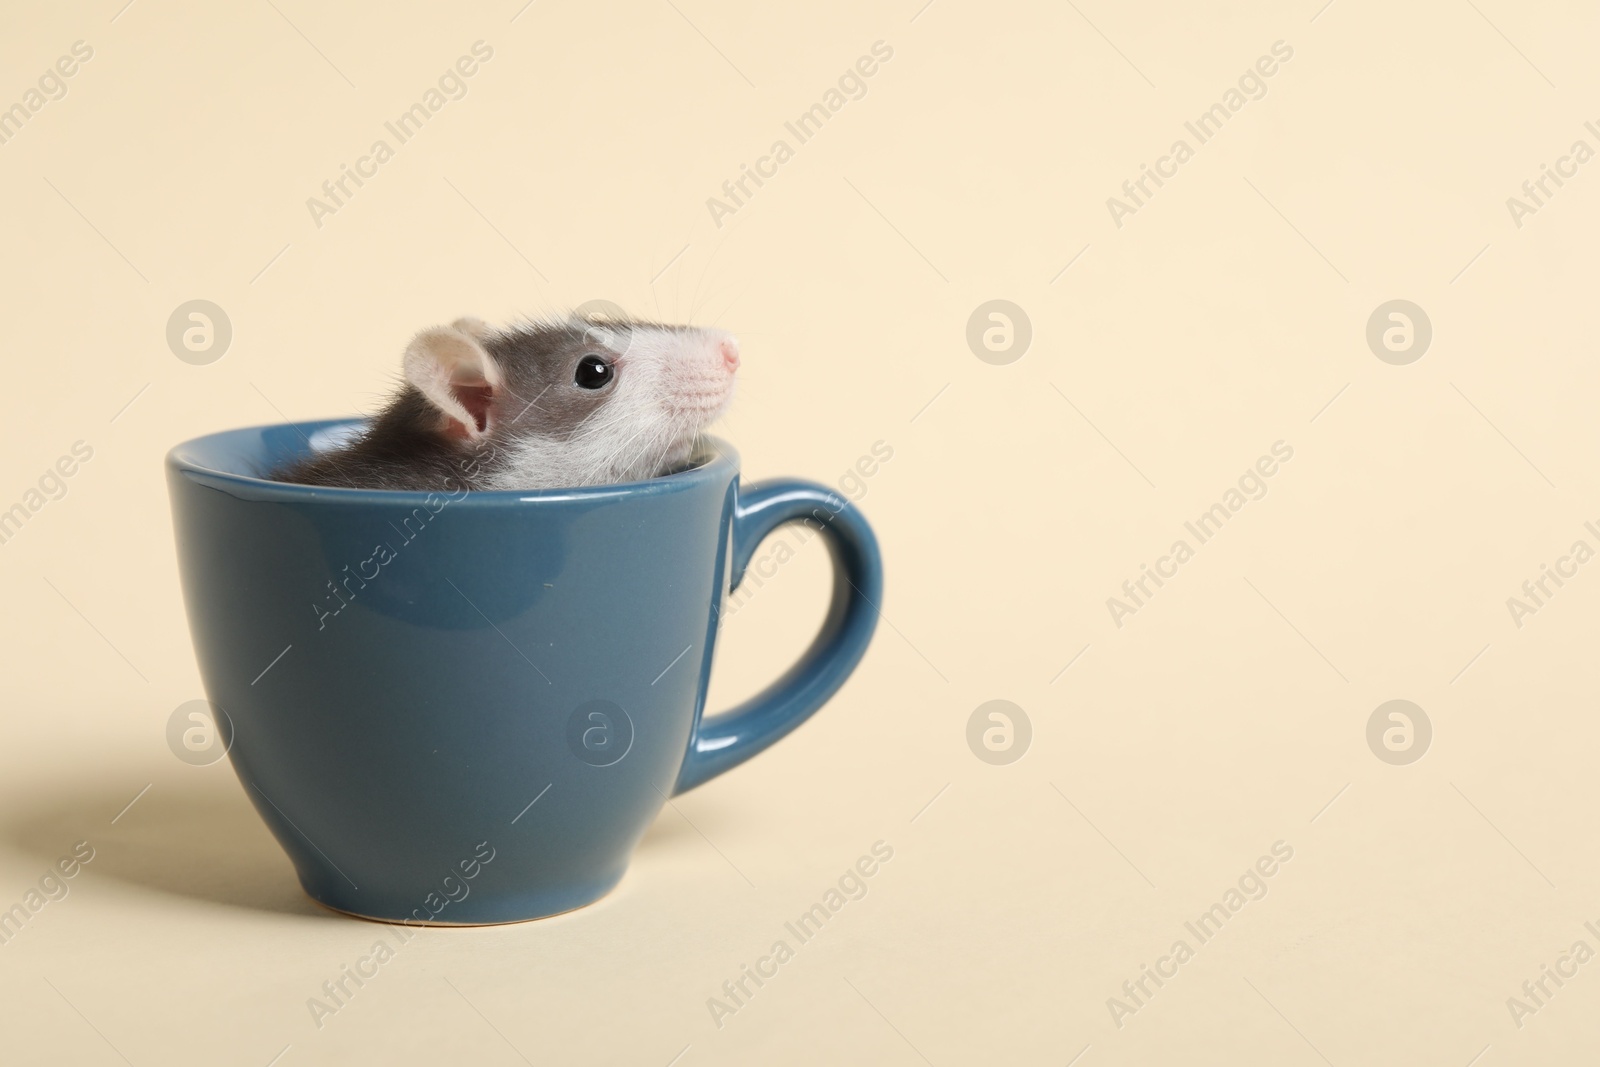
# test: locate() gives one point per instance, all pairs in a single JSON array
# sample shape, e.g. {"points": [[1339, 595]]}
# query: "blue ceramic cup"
{"points": [[467, 707]]}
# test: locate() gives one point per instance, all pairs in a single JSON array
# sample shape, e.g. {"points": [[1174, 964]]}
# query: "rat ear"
{"points": [[475, 328], [450, 367]]}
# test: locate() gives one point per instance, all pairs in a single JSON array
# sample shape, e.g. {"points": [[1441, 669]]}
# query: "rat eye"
{"points": [[593, 373]]}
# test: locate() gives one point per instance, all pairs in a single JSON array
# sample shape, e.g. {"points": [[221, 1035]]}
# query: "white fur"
{"points": [[670, 385]]}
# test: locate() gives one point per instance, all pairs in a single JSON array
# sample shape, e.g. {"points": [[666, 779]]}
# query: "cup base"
{"points": [[467, 925], [502, 914]]}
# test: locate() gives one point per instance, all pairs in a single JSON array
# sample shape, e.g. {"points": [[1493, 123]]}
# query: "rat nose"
{"points": [[730, 352]]}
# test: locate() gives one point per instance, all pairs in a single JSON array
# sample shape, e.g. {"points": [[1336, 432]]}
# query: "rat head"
{"points": [[579, 402]]}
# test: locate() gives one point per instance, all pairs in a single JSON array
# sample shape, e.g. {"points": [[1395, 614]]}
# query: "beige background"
{"points": [[1227, 314]]}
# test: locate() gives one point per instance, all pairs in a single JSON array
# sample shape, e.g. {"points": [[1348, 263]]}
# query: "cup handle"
{"points": [[724, 741]]}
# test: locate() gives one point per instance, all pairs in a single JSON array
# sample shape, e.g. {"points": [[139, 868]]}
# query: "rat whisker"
{"points": [[616, 452]]}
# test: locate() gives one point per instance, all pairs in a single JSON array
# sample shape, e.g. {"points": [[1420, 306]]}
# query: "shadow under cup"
{"points": [[467, 707]]}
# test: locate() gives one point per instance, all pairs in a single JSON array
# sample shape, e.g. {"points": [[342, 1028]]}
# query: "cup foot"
{"points": [[500, 911]]}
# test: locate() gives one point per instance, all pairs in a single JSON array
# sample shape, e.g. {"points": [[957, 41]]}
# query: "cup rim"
{"points": [[196, 459]]}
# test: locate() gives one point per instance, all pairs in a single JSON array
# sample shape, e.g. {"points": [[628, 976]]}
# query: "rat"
{"points": [[538, 405]]}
